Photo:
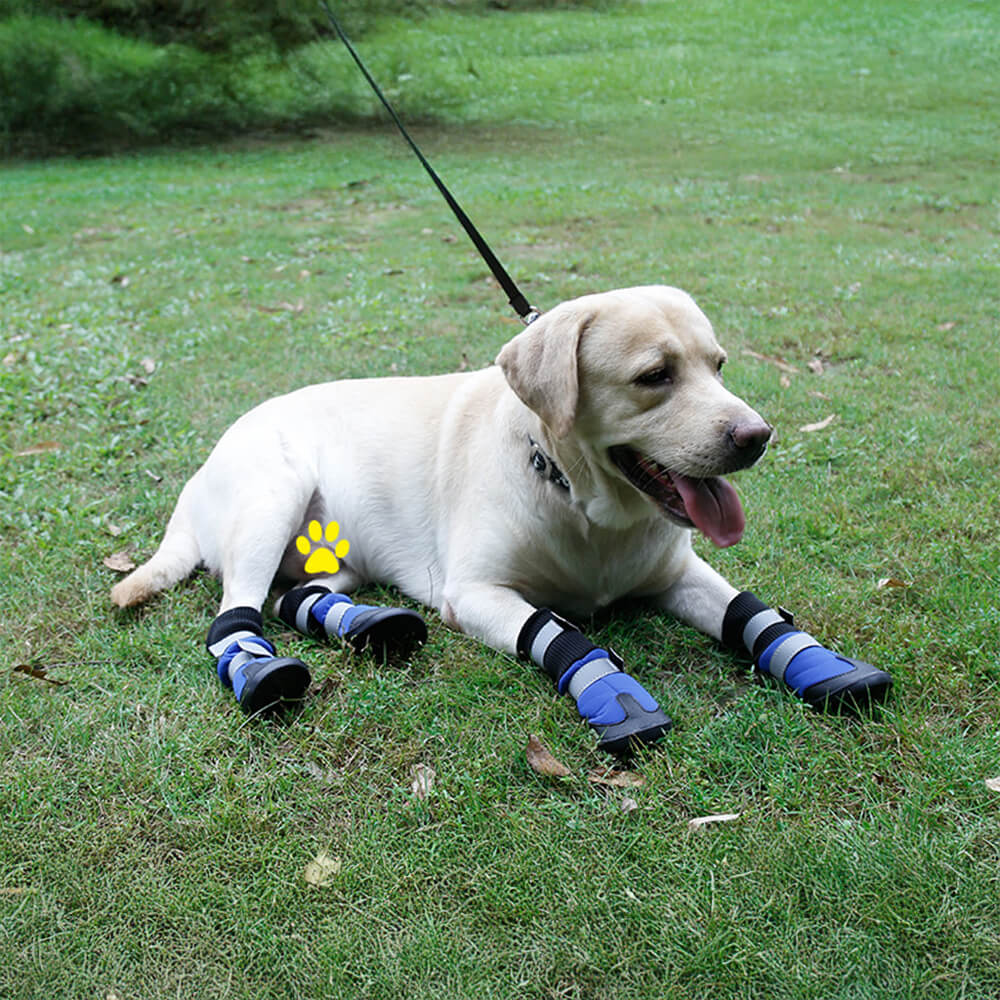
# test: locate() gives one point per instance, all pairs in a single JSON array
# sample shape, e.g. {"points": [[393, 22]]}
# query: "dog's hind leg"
{"points": [[320, 608], [245, 660]]}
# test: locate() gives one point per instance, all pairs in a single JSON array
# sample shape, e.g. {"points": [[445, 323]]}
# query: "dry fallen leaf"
{"points": [[993, 784], [784, 381], [322, 870], [629, 805], [777, 362], [821, 426], [542, 762], [423, 781], [292, 307], [148, 365], [890, 582], [120, 562], [816, 366], [616, 779], [38, 449], [39, 673], [702, 821]]}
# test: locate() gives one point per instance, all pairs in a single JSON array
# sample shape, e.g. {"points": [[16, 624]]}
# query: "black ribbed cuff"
{"points": [[563, 649], [244, 619], [288, 607], [741, 609]]}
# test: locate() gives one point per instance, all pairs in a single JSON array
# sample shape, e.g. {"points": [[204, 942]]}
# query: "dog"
{"points": [[567, 476]]}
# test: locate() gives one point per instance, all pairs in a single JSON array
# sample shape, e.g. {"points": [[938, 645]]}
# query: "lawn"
{"points": [[823, 179]]}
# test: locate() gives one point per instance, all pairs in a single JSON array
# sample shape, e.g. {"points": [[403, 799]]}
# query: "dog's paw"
{"points": [[322, 558]]}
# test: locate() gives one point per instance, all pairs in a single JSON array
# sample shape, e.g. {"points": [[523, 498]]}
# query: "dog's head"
{"points": [[633, 377]]}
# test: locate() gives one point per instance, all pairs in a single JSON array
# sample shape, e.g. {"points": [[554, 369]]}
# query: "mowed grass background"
{"points": [[823, 178]]}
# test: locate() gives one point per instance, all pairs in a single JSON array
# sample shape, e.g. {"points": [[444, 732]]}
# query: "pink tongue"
{"points": [[713, 506]]}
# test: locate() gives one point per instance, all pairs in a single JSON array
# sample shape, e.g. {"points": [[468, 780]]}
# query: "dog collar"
{"points": [[545, 467]]}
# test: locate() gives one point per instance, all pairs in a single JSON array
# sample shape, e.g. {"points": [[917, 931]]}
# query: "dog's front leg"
{"points": [[613, 703], [702, 598], [699, 597]]}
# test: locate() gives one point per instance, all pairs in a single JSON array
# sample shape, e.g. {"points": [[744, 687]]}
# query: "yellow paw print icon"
{"points": [[322, 558]]}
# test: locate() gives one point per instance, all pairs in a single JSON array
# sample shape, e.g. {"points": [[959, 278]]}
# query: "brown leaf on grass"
{"points": [[784, 381], [629, 805], [39, 673], [542, 762], [38, 449], [777, 362], [616, 779], [292, 307], [945, 327], [148, 365], [993, 784], [137, 381], [891, 582], [120, 562], [423, 781], [816, 366], [322, 870], [152, 475], [820, 426], [700, 822]]}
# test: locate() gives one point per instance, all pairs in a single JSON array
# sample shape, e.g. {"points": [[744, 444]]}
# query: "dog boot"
{"points": [[819, 676], [246, 662], [621, 711], [316, 611]]}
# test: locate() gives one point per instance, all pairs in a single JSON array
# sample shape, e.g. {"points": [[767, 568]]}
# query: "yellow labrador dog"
{"points": [[565, 477]]}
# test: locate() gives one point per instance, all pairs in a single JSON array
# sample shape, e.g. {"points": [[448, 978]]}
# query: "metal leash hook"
{"points": [[518, 302]]}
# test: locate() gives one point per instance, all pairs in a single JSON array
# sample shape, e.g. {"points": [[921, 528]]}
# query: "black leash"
{"points": [[518, 302]]}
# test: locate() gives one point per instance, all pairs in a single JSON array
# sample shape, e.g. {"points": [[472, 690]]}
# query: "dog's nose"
{"points": [[749, 438]]}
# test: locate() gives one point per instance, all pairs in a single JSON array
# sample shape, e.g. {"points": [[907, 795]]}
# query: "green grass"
{"points": [[824, 181]]}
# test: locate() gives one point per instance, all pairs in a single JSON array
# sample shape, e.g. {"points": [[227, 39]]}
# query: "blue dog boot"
{"points": [[619, 709], [246, 662], [316, 611], [816, 674]]}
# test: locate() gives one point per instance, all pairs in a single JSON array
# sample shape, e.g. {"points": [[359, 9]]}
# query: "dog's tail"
{"points": [[176, 557]]}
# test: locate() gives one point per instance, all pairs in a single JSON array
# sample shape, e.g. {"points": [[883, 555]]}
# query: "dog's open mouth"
{"points": [[710, 505]]}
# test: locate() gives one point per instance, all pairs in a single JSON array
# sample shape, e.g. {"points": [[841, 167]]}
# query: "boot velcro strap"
{"points": [[780, 653], [585, 672]]}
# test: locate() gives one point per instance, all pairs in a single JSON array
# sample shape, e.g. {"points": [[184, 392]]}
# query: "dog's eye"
{"points": [[657, 376]]}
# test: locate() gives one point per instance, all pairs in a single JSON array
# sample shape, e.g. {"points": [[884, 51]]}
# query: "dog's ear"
{"points": [[540, 365]]}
